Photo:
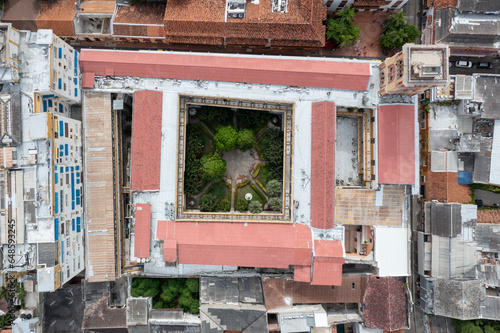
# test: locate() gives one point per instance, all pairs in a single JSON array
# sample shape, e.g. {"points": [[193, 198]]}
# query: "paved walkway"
{"points": [[368, 45]]}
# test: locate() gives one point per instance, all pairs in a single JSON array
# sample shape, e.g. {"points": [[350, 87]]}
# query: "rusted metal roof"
{"points": [[99, 182]]}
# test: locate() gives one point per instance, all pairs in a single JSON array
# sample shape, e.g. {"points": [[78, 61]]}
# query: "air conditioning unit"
{"points": [[27, 313]]}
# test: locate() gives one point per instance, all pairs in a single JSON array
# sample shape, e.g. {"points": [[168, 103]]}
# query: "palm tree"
{"points": [[341, 29], [346, 14]]}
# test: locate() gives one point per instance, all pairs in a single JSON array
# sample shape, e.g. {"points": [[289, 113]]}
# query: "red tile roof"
{"points": [[443, 186], [302, 273], [57, 15], [396, 144], [280, 71], [236, 244], [323, 165], [490, 216], [441, 4], [280, 293], [140, 20], [385, 304], [88, 80], [146, 140], [203, 22], [328, 261], [22, 14], [142, 230]]}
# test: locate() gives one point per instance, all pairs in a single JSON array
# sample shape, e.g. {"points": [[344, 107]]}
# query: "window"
{"points": [[353, 286], [62, 229]]}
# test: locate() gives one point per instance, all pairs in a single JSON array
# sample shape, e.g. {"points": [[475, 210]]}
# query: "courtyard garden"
{"points": [[169, 293], [231, 156]]}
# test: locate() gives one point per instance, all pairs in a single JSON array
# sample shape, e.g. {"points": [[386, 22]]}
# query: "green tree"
{"points": [[209, 203], [397, 32], [255, 207], [246, 139], [225, 205], [341, 29], [275, 204], [241, 205], [213, 168], [158, 305], [226, 138], [274, 188], [209, 114], [193, 285], [252, 119], [145, 287]]}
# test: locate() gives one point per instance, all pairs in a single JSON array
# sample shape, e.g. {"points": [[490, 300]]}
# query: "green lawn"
{"points": [[220, 191], [262, 176], [248, 189]]}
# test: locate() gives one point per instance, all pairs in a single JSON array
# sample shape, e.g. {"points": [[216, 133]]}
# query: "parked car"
{"points": [[485, 65], [463, 64]]}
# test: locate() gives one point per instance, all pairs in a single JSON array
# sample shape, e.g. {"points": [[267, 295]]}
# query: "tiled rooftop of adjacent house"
{"points": [[58, 16], [369, 207], [443, 186], [440, 4], [491, 216], [385, 304], [142, 19]]}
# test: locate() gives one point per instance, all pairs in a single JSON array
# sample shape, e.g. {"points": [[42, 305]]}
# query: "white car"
{"points": [[463, 64]]}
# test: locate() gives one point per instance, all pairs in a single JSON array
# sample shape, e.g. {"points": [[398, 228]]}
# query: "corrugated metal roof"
{"points": [[453, 258], [444, 161], [142, 230], [488, 237], [445, 219], [391, 251], [146, 140], [396, 144], [495, 155], [323, 165], [99, 182], [285, 71]]}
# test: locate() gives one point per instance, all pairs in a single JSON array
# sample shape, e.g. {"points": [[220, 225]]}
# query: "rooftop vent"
{"points": [[236, 9], [280, 6]]}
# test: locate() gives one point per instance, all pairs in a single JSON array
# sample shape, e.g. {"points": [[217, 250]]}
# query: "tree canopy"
{"points": [[246, 139], [397, 32], [274, 188], [213, 168], [226, 138], [341, 29]]}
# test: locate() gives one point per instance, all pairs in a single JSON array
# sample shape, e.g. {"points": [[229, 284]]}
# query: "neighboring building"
{"points": [[414, 69], [371, 5], [42, 160], [468, 27], [265, 23]]}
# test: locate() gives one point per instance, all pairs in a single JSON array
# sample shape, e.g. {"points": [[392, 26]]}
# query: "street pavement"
{"points": [[475, 60]]}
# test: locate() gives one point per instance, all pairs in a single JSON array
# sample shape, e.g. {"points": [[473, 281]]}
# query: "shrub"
{"points": [[252, 119], [397, 32], [255, 207], [225, 205], [193, 285], [274, 188], [242, 205], [213, 168], [246, 139], [275, 204], [209, 203], [158, 305], [210, 114], [341, 29], [226, 138]]}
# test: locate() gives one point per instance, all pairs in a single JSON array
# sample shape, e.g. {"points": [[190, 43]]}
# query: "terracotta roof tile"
{"points": [[443, 186], [142, 230], [22, 13], [195, 19], [323, 162], [236, 244], [98, 6], [295, 72], [396, 144], [280, 293], [146, 140], [490, 216], [385, 304], [441, 4], [128, 20], [58, 16]]}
